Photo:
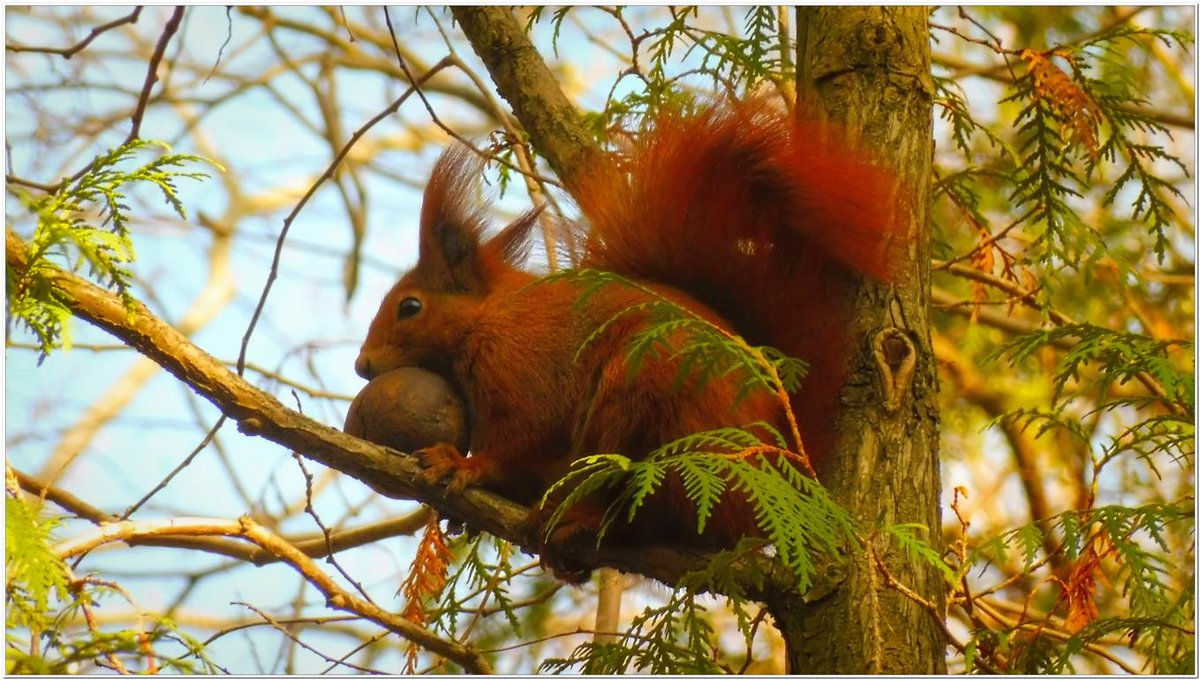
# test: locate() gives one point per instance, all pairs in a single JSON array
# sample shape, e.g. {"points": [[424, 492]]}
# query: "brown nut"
{"points": [[408, 409]]}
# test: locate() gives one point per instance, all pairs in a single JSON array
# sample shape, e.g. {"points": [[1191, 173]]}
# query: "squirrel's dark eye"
{"points": [[409, 307]]}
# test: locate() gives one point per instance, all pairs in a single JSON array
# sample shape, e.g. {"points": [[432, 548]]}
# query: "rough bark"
{"points": [[869, 67]]}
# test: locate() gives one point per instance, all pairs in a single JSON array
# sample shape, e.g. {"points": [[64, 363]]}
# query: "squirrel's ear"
{"points": [[512, 244], [451, 223]]}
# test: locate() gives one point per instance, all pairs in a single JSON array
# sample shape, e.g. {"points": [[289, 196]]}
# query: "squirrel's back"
{"points": [[760, 215]]}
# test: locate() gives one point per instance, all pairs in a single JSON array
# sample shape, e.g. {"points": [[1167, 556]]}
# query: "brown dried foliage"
{"points": [[1077, 110], [425, 579]]}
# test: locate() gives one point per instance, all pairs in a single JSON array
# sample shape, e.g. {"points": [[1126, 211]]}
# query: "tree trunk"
{"points": [[869, 67]]}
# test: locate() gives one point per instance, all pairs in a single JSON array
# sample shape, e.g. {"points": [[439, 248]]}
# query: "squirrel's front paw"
{"points": [[445, 460]]}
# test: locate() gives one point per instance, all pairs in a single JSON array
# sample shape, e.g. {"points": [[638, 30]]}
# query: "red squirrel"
{"points": [[751, 218]]}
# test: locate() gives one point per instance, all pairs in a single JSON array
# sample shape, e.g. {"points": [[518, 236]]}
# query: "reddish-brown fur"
{"points": [[749, 218]]}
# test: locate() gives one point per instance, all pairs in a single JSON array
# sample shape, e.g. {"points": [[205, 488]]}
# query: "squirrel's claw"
{"points": [[445, 460]]}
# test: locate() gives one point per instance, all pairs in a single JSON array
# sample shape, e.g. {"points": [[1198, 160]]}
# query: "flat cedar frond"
{"points": [[757, 55], [793, 511], [790, 370], [643, 480], [700, 349], [1159, 434], [1083, 108], [42, 596], [1029, 539], [603, 327], [721, 440], [1120, 357], [482, 578], [1124, 528], [1159, 610], [950, 98], [1134, 33], [1166, 434], [777, 438], [675, 638], [66, 228], [703, 483], [587, 476], [907, 536], [34, 575]]}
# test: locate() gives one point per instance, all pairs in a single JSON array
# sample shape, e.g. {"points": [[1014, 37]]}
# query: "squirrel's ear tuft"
{"points": [[512, 244], [452, 221]]}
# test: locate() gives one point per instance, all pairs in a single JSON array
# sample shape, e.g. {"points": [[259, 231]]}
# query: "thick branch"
{"points": [[526, 83], [385, 470]]}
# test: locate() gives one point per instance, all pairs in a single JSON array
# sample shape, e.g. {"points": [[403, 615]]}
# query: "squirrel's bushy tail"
{"points": [[761, 216]]}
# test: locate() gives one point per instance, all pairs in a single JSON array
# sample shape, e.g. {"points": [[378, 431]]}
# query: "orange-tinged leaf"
{"points": [[1077, 110], [983, 259], [1081, 600], [425, 579], [1080, 588]]}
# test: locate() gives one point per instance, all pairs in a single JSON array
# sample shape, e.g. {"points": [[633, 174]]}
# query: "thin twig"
{"points": [[48, 188], [89, 617], [325, 533], [169, 31], [453, 60], [1045, 627], [152, 72], [283, 628], [1025, 297], [311, 545], [329, 171], [943, 299], [69, 52], [178, 468]]}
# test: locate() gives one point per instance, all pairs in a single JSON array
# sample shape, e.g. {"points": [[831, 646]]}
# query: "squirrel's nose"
{"points": [[362, 366]]}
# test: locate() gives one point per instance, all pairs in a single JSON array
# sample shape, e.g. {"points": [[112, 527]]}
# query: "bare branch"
{"points": [[69, 52], [313, 546], [152, 72], [248, 529]]}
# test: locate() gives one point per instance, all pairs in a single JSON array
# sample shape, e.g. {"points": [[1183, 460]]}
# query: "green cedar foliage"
{"points": [[675, 638], [481, 577], [86, 222], [793, 511], [1072, 193], [1160, 611], [44, 603]]}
